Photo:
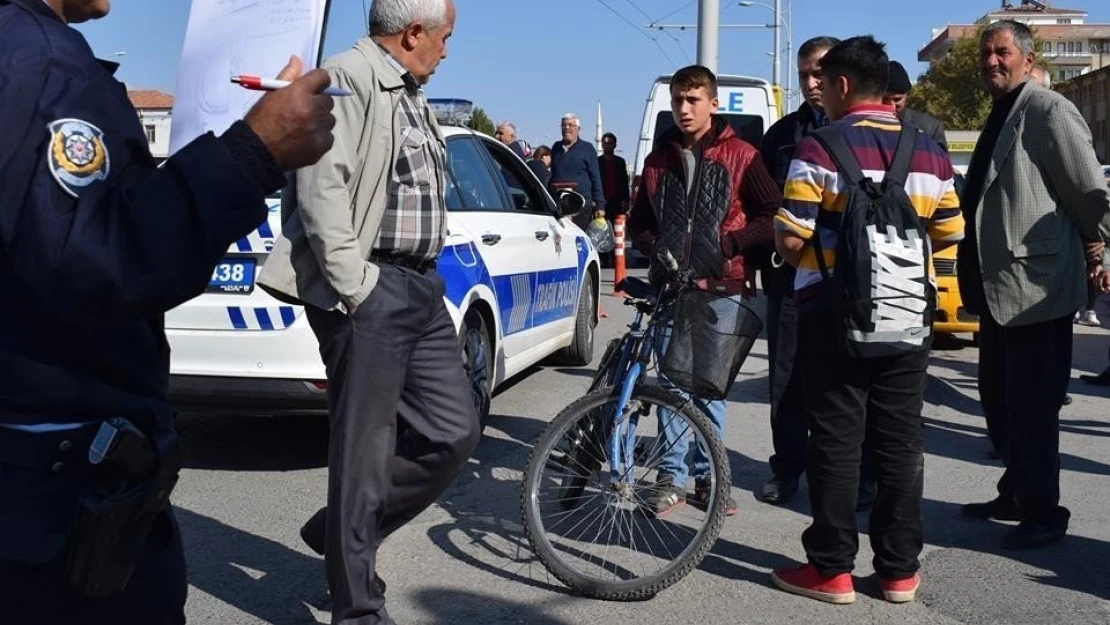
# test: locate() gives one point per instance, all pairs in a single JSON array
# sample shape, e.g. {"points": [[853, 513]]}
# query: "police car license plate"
{"points": [[232, 276]]}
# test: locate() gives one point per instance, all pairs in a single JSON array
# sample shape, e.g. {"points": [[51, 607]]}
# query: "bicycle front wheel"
{"points": [[594, 521]]}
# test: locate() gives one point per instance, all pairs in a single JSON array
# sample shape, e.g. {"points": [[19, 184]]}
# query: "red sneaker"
{"points": [[900, 590], [807, 582]]}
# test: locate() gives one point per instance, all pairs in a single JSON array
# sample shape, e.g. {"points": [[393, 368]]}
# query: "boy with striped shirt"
{"points": [[846, 396]]}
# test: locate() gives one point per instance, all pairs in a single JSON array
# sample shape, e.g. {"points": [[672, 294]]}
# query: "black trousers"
{"points": [[1023, 378], [847, 399], [402, 425], [789, 430], [35, 515]]}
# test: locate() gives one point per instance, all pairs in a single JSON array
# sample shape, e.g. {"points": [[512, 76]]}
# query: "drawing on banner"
{"points": [[230, 37]]}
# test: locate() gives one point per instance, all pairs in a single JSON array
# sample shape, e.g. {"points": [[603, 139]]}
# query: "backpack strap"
{"points": [[847, 167], [837, 148], [903, 156]]}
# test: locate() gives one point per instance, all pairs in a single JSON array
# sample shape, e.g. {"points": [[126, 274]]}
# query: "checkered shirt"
{"points": [[415, 221]]}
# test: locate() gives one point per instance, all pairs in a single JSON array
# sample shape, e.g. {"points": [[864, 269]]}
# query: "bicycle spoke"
{"points": [[597, 521]]}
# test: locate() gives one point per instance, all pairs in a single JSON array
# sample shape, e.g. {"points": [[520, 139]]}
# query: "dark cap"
{"points": [[899, 81]]}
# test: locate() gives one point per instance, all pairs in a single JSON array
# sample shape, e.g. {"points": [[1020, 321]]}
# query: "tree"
{"points": [[952, 90], [481, 122]]}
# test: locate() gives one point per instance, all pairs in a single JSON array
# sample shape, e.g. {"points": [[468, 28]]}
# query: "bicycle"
{"points": [[604, 429]]}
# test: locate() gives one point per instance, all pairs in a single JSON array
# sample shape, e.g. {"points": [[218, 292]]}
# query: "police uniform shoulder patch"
{"points": [[77, 156]]}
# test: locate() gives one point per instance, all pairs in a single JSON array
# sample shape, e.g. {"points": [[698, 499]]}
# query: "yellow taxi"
{"points": [[951, 317]]}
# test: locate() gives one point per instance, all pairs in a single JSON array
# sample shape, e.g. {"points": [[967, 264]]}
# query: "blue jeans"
{"points": [[674, 432]]}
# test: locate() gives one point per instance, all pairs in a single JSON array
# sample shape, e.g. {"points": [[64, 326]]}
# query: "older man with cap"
{"points": [[897, 91]]}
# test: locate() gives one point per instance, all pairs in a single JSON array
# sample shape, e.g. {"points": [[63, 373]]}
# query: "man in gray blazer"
{"points": [[1034, 200], [362, 232]]}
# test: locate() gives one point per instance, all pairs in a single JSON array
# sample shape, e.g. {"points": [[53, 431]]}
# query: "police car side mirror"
{"points": [[569, 203]]}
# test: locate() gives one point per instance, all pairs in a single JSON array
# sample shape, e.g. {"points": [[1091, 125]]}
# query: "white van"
{"points": [[750, 105]]}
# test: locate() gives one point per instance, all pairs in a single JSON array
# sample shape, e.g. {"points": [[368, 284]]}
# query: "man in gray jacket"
{"points": [[1037, 212], [362, 232]]}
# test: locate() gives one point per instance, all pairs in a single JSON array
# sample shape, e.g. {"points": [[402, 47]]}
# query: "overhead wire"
{"points": [[643, 32], [654, 22], [679, 9]]}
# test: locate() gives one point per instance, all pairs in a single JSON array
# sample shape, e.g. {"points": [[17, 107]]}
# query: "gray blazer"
{"points": [[1043, 197], [928, 125], [332, 212]]}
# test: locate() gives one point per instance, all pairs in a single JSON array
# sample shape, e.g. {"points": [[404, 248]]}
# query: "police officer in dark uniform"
{"points": [[96, 243]]}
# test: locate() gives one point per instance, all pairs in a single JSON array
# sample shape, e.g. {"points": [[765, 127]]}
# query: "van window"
{"points": [[747, 127]]}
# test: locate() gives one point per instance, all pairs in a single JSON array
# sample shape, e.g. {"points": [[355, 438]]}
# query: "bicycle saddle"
{"points": [[638, 289]]}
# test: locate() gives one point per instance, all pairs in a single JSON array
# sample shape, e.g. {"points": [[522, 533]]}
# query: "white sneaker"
{"points": [[1089, 318]]}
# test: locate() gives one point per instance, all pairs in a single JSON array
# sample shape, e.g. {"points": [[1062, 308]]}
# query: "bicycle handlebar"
{"points": [[685, 276]]}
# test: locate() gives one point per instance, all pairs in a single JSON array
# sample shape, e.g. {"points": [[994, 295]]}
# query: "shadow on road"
{"points": [[492, 520], [254, 443], [1076, 563], [969, 443], [454, 607], [257, 575]]}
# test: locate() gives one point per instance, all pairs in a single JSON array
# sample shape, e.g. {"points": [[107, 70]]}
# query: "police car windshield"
{"points": [[747, 127]]}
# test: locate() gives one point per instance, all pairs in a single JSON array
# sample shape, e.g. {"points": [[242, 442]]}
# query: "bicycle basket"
{"points": [[710, 340]]}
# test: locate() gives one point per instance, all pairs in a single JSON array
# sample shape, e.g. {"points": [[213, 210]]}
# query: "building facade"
{"points": [[154, 109], [1091, 93], [1070, 47]]}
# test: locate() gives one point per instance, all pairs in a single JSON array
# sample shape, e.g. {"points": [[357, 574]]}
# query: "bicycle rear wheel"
{"points": [[597, 532]]}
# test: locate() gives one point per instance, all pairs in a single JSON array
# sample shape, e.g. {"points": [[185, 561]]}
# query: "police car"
{"points": [[522, 283]]}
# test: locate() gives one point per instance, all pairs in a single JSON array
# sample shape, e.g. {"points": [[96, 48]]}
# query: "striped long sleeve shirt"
{"points": [[813, 187]]}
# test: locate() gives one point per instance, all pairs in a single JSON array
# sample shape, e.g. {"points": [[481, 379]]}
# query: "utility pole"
{"points": [[790, 60], [777, 69], [709, 33], [599, 129], [709, 26]]}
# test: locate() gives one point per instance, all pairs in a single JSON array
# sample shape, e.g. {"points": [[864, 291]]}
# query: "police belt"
{"points": [[50, 452]]}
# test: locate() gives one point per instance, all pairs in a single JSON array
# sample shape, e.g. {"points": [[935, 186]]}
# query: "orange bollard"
{"points": [[619, 270]]}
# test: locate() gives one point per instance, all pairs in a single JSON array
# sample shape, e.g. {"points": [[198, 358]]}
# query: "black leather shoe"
{"points": [[1067, 400], [1102, 379], [778, 490], [312, 532], [1031, 535], [999, 509], [865, 497]]}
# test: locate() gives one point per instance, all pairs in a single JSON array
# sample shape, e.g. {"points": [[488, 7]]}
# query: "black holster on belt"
{"points": [[133, 477]]}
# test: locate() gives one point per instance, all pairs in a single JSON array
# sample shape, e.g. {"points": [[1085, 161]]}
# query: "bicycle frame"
{"points": [[634, 356]]}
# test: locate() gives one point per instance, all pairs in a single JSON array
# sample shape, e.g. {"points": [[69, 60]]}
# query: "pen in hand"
{"points": [[257, 83]]}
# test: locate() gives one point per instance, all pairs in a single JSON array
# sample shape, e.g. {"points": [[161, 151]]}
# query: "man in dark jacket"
{"points": [[614, 183], [706, 229], [897, 91], [614, 178], [788, 417], [574, 165]]}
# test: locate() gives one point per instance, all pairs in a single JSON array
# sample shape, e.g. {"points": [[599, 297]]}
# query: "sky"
{"points": [[531, 61]]}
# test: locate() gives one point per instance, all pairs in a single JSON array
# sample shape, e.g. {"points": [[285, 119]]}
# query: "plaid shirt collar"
{"points": [[411, 84]]}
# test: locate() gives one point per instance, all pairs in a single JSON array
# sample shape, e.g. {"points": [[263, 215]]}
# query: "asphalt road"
{"points": [[251, 482]]}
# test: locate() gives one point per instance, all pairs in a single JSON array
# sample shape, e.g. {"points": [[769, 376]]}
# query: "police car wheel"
{"points": [[581, 350], [477, 355]]}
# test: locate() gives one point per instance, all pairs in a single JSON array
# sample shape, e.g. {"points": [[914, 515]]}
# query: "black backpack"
{"points": [[881, 292]]}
